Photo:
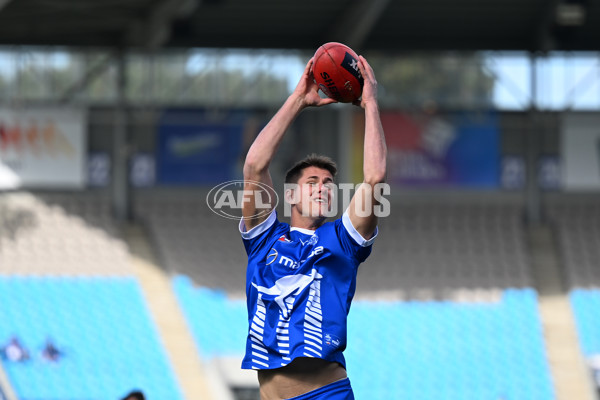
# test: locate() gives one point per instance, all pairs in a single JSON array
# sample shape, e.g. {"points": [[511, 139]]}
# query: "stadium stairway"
{"points": [[6, 390], [179, 344], [569, 373]]}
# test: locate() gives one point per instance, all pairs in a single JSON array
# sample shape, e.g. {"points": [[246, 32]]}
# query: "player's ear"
{"points": [[291, 193]]}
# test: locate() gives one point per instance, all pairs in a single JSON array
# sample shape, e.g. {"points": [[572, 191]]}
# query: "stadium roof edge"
{"points": [[391, 26]]}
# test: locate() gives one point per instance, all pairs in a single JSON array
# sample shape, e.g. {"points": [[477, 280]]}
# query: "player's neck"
{"points": [[303, 222]]}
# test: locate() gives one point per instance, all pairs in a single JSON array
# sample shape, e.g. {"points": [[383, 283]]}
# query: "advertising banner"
{"points": [[42, 148], [196, 147], [443, 150]]}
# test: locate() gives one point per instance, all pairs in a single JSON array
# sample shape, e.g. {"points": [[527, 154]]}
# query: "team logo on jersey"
{"points": [[288, 286], [283, 238], [272, 256], [312, 241]]}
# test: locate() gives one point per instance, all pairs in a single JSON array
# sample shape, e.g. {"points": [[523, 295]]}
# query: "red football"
{"points": [[335, 69]]}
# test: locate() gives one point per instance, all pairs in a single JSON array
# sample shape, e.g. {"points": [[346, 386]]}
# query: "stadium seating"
{"points": [[448, 350], [465, 252], [192, 240], [59, 234], [410, 350], [104, 329], [447, 251], [218, 324], [586, 303], [447, 288], [577, 223]]}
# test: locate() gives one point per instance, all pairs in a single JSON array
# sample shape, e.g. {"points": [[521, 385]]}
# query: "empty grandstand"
{"points": [[117, 118], [449, 288], [60, 234]]}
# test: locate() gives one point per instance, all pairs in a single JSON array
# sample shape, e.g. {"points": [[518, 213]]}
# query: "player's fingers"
{"points": [[365, 68], [326, 101], [361, 67], [308, 68]]}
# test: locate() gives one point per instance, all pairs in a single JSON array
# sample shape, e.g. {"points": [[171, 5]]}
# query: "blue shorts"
{"points": [[338, 390]]}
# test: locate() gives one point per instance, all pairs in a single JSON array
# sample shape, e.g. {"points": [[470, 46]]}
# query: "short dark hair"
{"points": [[135, 395], [312, 160]]}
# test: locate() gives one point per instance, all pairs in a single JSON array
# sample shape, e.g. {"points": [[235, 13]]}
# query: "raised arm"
{"points": [[262, 151], [362, 206]]}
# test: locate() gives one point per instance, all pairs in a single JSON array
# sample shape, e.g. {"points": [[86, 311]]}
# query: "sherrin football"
{"points": [[335, 69]]}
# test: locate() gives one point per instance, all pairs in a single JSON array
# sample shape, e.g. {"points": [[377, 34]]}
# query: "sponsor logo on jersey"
{"points": [[291, 263], [288, 262], [332, 340], [272, 256]]}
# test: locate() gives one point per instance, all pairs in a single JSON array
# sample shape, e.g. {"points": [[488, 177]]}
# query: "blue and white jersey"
{"points": [[299, 286]]}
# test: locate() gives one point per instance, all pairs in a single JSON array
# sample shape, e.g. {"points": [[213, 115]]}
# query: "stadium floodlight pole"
{"points": [[120, 196], [532, 187]]}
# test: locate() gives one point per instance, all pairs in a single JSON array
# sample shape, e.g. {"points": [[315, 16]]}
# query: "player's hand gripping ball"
{"points": [[335, 69]]}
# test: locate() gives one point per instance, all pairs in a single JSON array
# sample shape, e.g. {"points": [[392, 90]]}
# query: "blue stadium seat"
{"points": [[104, 328], [410, 350], [585, 304], [217, 324]]}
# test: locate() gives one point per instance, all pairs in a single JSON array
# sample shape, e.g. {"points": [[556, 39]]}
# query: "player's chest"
{"points": [[294, 253]]}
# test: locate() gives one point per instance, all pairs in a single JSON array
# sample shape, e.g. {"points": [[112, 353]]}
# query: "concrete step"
{"points": [[6, 388], [570, 374], [571, 377], [192, 375]]}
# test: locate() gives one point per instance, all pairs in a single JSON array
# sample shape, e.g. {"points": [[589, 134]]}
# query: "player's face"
{"points": [[315, 186]]}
